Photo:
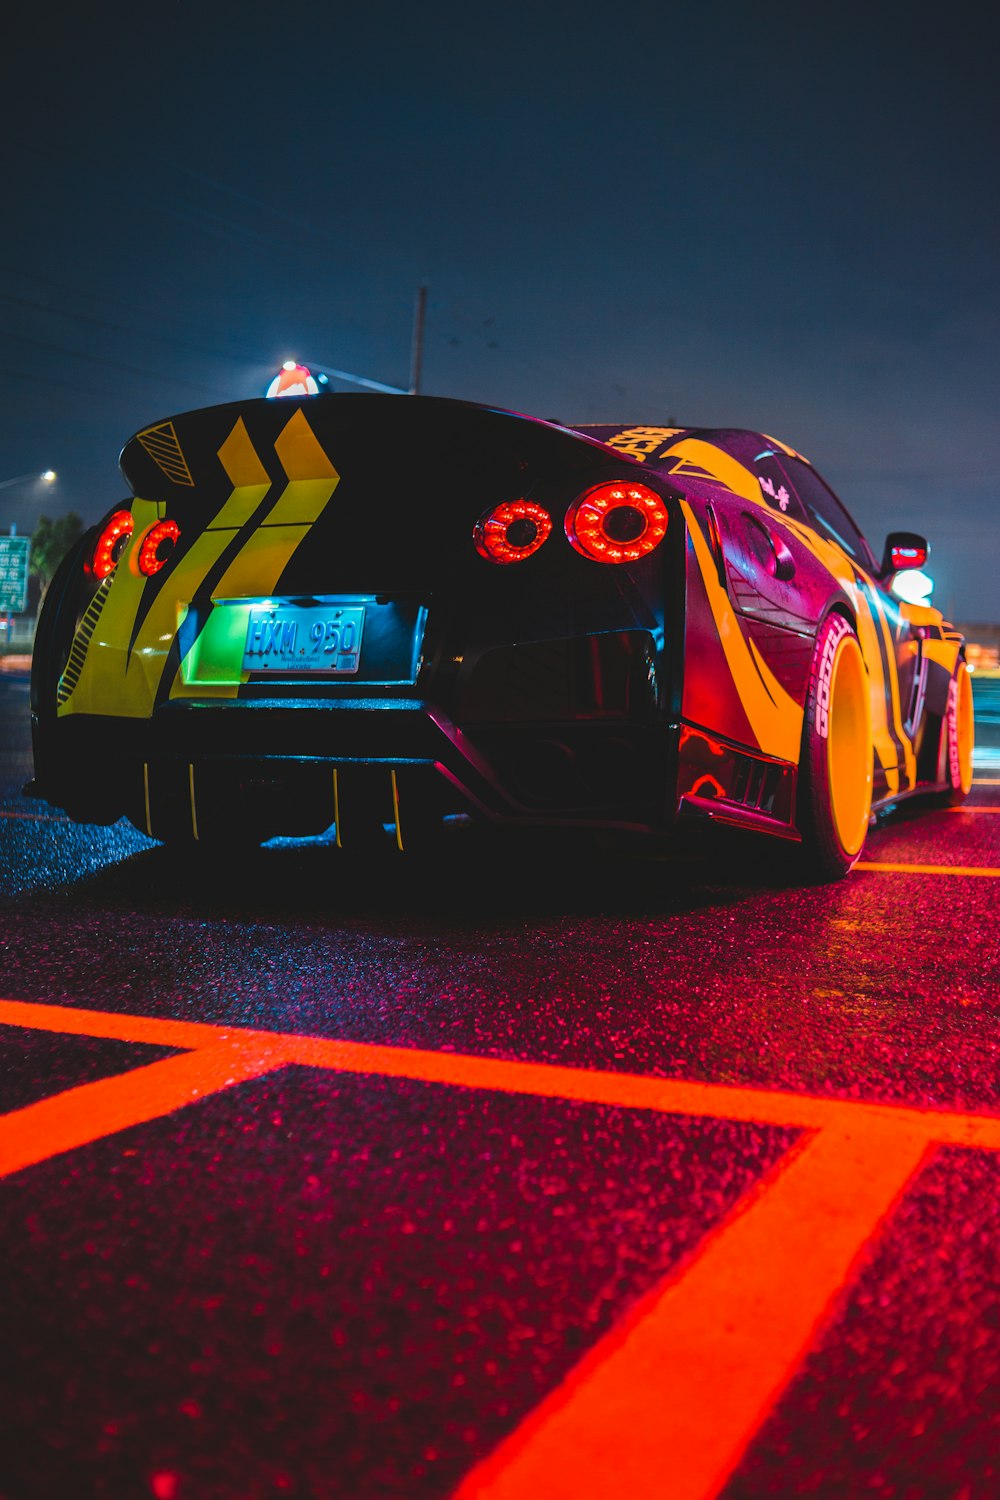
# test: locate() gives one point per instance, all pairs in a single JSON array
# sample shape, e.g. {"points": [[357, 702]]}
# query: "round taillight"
{"points": [[512, 531], [156, 546], [617, 523], [112, 543]]}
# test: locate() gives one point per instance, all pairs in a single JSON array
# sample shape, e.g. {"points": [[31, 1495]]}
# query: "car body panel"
{"points": [[894, 636]]}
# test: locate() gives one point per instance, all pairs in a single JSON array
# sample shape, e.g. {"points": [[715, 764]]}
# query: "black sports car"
{"points": [[379, 611]]}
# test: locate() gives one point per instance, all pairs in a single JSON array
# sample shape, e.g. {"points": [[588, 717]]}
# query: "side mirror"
{"points": [[904, 549]]}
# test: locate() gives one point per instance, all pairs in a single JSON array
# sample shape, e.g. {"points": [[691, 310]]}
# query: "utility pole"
{"points": [[417, 352]]}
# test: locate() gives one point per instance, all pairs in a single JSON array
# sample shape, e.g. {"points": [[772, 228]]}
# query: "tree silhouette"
{"points": [[50, 541]]}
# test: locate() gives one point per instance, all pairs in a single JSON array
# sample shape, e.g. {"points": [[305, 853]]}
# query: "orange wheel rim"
{"points": [[849, 746]]}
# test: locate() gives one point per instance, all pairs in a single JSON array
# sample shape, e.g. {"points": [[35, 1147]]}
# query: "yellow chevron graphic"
{"points": [[113, 681], [312, 477], [249, 478], [214, 667], [161, 444]]}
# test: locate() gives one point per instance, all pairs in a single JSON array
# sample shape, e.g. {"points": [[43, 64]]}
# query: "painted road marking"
{"points": [[466, 1070], [662, 1407], [973, 809], [909, 869], [669, 1400], [68, 1120]]}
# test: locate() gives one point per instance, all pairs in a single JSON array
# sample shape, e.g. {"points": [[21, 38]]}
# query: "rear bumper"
{"points": [[267, 767]]}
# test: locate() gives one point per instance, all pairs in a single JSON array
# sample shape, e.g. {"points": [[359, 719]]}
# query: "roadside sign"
{"points": [[14, 553]]}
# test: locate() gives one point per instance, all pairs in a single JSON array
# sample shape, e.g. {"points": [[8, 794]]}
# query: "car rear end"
{"points": [[364, 611]]}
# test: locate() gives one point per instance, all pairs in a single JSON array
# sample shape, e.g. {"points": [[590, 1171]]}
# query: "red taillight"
{"points": [[111, 543], [156, 546], [617, 523], [512, 531], [907, 557]]}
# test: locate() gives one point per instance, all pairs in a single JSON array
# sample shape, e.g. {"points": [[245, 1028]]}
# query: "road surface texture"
{"points": [[533, 1175]]}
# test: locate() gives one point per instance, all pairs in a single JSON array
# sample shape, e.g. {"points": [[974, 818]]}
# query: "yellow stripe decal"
{"points": [[721, 466], [395, 810], [194, 810], [868, 635], [145, 797], [775, 717], [909, 759]]}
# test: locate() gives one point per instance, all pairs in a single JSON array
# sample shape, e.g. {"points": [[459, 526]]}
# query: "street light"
{"points": [[48, 475]]}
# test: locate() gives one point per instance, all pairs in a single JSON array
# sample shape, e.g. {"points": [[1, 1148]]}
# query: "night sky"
{"points": [[776, 216]]}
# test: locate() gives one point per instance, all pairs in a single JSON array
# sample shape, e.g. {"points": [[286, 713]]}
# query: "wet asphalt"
{"points": [[320, 1283]]}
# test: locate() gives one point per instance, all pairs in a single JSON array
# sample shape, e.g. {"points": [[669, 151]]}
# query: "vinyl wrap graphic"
{"points": [[133, 652]]}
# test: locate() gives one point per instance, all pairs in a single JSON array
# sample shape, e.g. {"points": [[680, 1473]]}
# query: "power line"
{"points": [[160, 338], [215, 222], [112, 364]]}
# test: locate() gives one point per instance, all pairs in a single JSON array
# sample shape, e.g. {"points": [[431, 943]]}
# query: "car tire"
{"points": [[835, 766], [959, 734]]}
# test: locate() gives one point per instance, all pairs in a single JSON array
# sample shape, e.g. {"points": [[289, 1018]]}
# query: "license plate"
{"points": [[304, 638]]}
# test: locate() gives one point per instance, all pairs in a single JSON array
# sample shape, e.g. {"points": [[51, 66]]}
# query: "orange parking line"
{"points": [[667, 1403], [637, 1091], [82, 1115], [908, 869], [502, 1075], [120, 1026], [965, 809]]}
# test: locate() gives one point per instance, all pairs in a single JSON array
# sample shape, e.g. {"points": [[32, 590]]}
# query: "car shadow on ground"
{"points": [[470, 877]]}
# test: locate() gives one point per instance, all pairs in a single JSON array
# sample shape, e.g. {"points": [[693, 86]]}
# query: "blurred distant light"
{"points": [[47, 475], [912, 586], [292, 380]]}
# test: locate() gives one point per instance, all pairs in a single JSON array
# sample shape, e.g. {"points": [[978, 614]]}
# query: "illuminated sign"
{"points": [[14, 554]]}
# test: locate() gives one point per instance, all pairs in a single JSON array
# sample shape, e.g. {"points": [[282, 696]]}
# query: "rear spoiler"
{"points": [[201, 455]]}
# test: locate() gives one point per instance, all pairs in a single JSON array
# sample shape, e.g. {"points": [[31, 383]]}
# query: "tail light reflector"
{"points": [[111, 543], [617, 523], [156, 546], [512, 531]]}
